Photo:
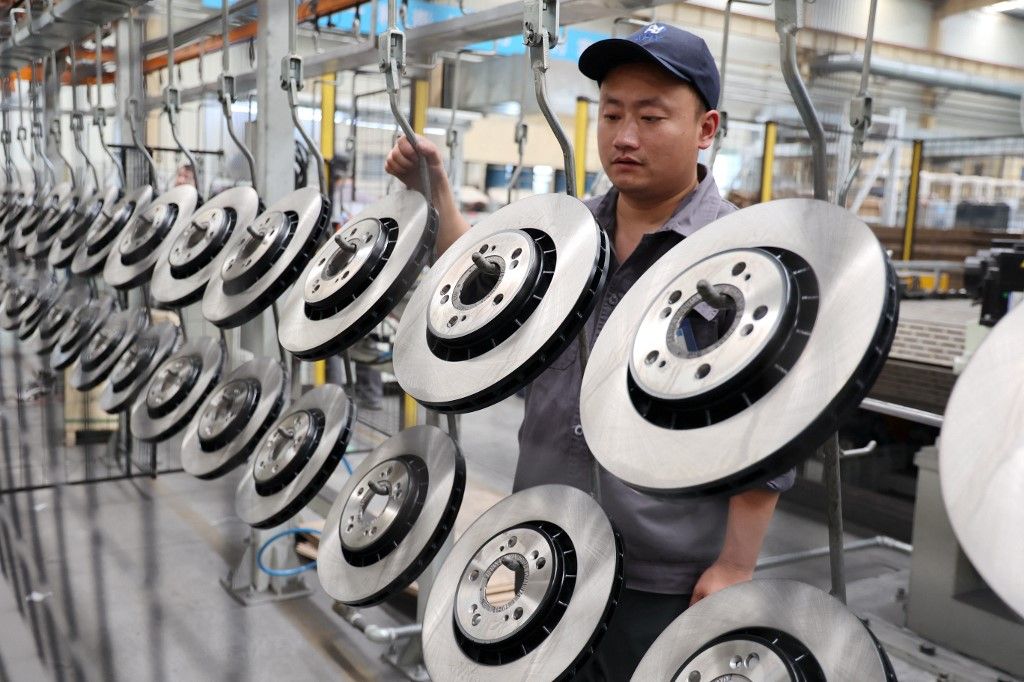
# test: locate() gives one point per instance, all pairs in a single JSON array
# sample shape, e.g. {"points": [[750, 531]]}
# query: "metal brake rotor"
{"points": [[44, 210], [19, 206], [118, 333], [137, 364], [766, 631], [65, 244], [19, 295], [185, 265], [501, 303], [53, 221], [56, 316], [356, 278], [808, 301], [392, 516], [136, 249], [91, 254], [176, 389], [981, 459], [294, 459], [563, 560], [85, 321], [233, 418], [50, 291], [267, 259]]}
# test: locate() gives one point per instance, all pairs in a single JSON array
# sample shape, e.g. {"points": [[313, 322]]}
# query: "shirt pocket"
{"points": [[567, 358]]}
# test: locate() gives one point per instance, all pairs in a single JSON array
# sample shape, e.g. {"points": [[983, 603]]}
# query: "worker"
{"points": [[186, 175], [659, 91]]}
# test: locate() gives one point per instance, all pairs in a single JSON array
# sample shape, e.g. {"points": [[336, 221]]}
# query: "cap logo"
{"points": [[654, 29]]}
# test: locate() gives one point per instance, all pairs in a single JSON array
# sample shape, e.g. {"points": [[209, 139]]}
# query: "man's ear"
{"points": [[709, 123]]}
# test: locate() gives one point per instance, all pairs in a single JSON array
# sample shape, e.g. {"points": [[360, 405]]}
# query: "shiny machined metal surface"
{"points": [[392, 516], [92, 251], [85, 321], [20, 294], [25, 231], [234, 418], [17, 207], [56, 316], [136, 249], [357, 278], [296, 456], [119, 332], [137, 364], [50, 225], [268, 258], [65, 244], [176, 389], [184, 267], [766, 630], [50, 289], [514, 326], [562, 627], [782, 388], [981, 459]]}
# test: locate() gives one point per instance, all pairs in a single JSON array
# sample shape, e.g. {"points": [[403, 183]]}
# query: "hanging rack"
{"points": [[5, 140], [99, 115], [227, 95], [860, 112], [520, 137], [55, 131], [38, 143], [77, 122], [172, 103], [22, 135], [291, 81]]}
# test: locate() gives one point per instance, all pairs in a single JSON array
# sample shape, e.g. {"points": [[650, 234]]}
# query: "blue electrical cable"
{"points": [[285, 572]]}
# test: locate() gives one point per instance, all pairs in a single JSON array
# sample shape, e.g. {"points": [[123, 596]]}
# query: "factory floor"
{"points": [[134, 568]]}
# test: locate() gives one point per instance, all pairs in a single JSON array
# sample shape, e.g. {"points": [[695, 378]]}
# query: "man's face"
{"points": [[649, 130], [185, 176]]}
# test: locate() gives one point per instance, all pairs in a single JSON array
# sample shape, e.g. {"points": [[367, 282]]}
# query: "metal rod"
{"points": [[376, 633], [99, 115], [883, 541], [313, 149], [787, 31], [133, 108], [830, 454], [711, 296], [860, 111], [76, 118], [540, 87], [393, 80], [452, 134], [903, 412], [172, 106]]}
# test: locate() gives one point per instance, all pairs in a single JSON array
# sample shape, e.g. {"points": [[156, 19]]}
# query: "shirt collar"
{"points": [[697, 209]]}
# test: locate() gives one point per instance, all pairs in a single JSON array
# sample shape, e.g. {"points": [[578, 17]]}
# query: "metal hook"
{"points": [[100, 114], [172, 103], [291, 80], [133, 107], [227, 95]]}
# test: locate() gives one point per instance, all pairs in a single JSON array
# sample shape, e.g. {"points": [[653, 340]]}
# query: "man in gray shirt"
{"points": [[659, 89]]}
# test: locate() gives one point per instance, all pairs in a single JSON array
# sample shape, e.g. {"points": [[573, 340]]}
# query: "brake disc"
{"points": [[501, 303], [356, 278], [136, 249], [810, 317], [49, 293], [267, 259], [91, 254], [981, 459], [62, 251], [21, 205], [19, 296], [44, 210], [137, 364], [118, 333], [49, 225], [85, 321], [176, 389], [294, 459], [233, 418], [766, 630], [57, 315], [392, 516], [185, 266], [566, 561]]}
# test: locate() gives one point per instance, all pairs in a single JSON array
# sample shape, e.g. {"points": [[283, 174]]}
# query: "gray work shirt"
{"points": [[669, 543]]}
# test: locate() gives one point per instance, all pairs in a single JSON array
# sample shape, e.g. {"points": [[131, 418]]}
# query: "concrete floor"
{"points": [[135, 566]]}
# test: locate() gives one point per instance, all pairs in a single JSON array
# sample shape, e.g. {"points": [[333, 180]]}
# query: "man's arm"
{"points": [[749, 515], [403, 163]]}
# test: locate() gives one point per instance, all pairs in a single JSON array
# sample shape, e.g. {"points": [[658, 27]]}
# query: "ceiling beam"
{"points": [[948, 8]]}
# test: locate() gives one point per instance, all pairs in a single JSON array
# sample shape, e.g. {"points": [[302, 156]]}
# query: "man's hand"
{"points": [[719, 576], [403, 163]]}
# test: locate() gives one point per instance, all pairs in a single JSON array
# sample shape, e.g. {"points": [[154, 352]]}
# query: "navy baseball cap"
{"points": [[679, 52]]}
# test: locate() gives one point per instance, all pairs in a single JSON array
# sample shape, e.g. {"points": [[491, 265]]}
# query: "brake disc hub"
{"points": [[383, 505], [200, 242], [172, 383], [286, 450], [104, 230], [149, 230], [257, 251], [229, 408], [345, 266], [133, 362]]}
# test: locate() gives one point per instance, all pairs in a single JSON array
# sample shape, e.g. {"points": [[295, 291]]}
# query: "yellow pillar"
{"points": [[582, 128], [910, 224], [771, 131], [327, 106]]}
